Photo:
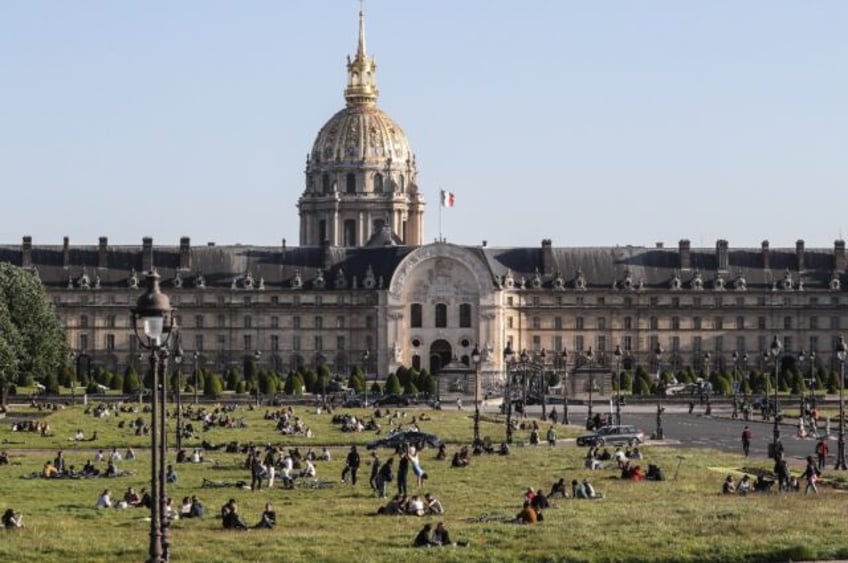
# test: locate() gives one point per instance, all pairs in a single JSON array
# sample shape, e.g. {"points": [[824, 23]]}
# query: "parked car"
{"points": [[354, 402], [615, 435], [418, 439], [395, 400]]}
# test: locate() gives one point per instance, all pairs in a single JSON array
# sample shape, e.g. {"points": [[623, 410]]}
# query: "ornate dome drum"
{"points": [[361, 132]]}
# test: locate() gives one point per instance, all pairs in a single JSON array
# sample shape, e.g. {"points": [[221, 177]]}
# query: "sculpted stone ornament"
{"points": [[133, 280], [297, 280], [369, 281], [200, 281]]}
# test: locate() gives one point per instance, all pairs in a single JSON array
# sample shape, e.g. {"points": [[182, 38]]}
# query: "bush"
{"points": [[393, 385], [213, 386], [132, 382], [241, 387], [117, 382], [51, 382]]}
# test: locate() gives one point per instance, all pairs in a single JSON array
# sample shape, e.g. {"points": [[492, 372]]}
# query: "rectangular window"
{"points": [[628, 323], [719, 344], [718, 323], [675, 323], [558, 323], [696, 345], [696, 301], [296, 342], [275, 300], [415, 314], [654, 324], [537, 322], [787, 323], [369, 322], [83, 340], [628, 301], [535, 301], [696, 323], [579, 323], [761, 323], [198, 342], [340, 343], [814, 323], [602, 323], [740, 344], [578, 342], [761, 343], [222, 321], [675, 344], [628, 343], [602, 344], [248, 343], [222, 342], [296, 322], [558, 343], [247, 300], [221, 301], [275, 343], [441, 315], [509, 301], [248, 321], [834, 323], [110, 342], [319, 323], [787, 344], [319, 343], [110, 321], [275, 322], [814, 344], [340, 322], [653, 341], [580, 301], [602, 300], [655, 301], [537, 342], [740, 323], [465, 315], [84, 321], [675, 302], [198, 321]]}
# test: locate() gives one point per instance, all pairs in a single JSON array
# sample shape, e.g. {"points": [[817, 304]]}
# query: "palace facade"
{"points": [[361, 279]]}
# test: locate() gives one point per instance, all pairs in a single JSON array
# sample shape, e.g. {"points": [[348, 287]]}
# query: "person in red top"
{"points": [[821, 453]]}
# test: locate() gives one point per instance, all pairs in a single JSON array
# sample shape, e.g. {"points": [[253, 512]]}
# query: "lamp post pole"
{"points": [[178, 389], [706, 386], [803, 396], [735, 413], [153, 318], [71, 357], [543, 383], [525, 359], [841, 351], [257, 356], [744, 379], [82, 357], [617, 355], [196, 374], [812, 380], [658, 352], [509, 358], [590, 357], [365, 356], [475, 358], [564, 356], [775, 353]]}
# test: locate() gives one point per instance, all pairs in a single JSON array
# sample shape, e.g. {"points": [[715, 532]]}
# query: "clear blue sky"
{"points": [[590, 123]]}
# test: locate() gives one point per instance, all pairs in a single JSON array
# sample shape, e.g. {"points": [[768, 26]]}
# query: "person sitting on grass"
{"points": [[185, 508], [528, 514], [196, 508], [745, 486], [558, 488], [11, 519], [585, 490], [131, 497], [49, 471], [423, 537], [415, 506], [104, 500], [729, 487], [268, 519], [230, 517], [441, 535], [433, 505], [459, 461], [393, 507], [540, 501]]}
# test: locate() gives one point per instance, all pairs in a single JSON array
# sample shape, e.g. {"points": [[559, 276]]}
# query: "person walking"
{"points": [[821, 452], [811, 474], [747, 435], [375, 470], [351, 466]]}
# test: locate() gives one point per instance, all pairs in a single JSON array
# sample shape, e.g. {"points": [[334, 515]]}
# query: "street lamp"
{"points": [[509, 358], [735, 413], [178, 360], [71, 357], [840, 448], [590, 356], [775, 352], [543, 383], [196, 374], [617, 355], [475, 358], [153, 318], [658, 352], [525, 359], [801, 410], [705, 383], [257, 357], [744, 379], [564, 356], [365, 356]]}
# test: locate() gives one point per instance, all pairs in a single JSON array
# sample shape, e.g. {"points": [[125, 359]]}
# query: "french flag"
{"points": [[448, 199]]}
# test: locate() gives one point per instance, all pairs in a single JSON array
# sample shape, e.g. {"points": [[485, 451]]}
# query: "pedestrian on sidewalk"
{"points": [[746, 440]]}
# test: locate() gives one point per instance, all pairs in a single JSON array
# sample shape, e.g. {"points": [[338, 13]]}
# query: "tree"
{"points": [[213, 386], [132, 382], [393, 385], [32, 340]]}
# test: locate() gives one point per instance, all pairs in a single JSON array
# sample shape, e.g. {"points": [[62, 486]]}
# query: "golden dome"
{"points": [[361, 132]]}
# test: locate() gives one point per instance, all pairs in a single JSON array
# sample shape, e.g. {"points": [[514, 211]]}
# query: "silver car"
{"points": [[615, 435]]}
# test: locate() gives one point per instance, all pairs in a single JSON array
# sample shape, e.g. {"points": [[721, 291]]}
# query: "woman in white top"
{"points": [[104, 500]]}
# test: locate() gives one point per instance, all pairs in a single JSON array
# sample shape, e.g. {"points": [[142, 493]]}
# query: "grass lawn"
{"points": [[681, 519]]}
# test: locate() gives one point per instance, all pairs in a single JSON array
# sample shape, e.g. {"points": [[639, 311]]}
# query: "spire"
{"points": [[361, 81]]}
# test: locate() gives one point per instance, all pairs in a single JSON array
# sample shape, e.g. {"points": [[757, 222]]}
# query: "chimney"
{"points": [[66, 252], [26, 252], [799, 254], [327, 254], [684, 248], [102, 253], [146, 254], [185, 253], [659, 244], [721, 255], [765, 253], [547, 257], [839, 259]]}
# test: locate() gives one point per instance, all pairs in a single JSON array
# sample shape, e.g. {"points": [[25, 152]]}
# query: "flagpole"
{"points": [[440, 214]]}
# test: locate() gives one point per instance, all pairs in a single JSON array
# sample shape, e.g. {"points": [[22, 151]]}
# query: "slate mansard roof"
{"points": [[371, 267]]}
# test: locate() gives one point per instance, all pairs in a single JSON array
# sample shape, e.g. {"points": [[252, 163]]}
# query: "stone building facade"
{"points": [[361, 280]]}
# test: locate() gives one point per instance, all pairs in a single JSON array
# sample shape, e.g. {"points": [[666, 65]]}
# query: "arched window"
{"points": [[351, 183], [325, 183], [441, 315], [378, 183], [415, 315], [465, 315]]}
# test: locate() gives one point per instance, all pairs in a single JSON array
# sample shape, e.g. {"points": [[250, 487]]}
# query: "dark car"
{"points": [[616, 435], [392, 400], [355, 403], [418, 439]]}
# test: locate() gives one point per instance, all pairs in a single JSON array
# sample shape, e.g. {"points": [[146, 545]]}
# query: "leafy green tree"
{"points": [[309, 380], [233, 378], [116, 382], [32, 340], [393, 385], [132, 381], [241, 387], [427, 382], [213, 386], [626, 382], [833, 383], [52, 383]]}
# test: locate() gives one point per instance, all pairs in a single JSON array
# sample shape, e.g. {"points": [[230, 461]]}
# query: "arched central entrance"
{"points": [[440, 355]]}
